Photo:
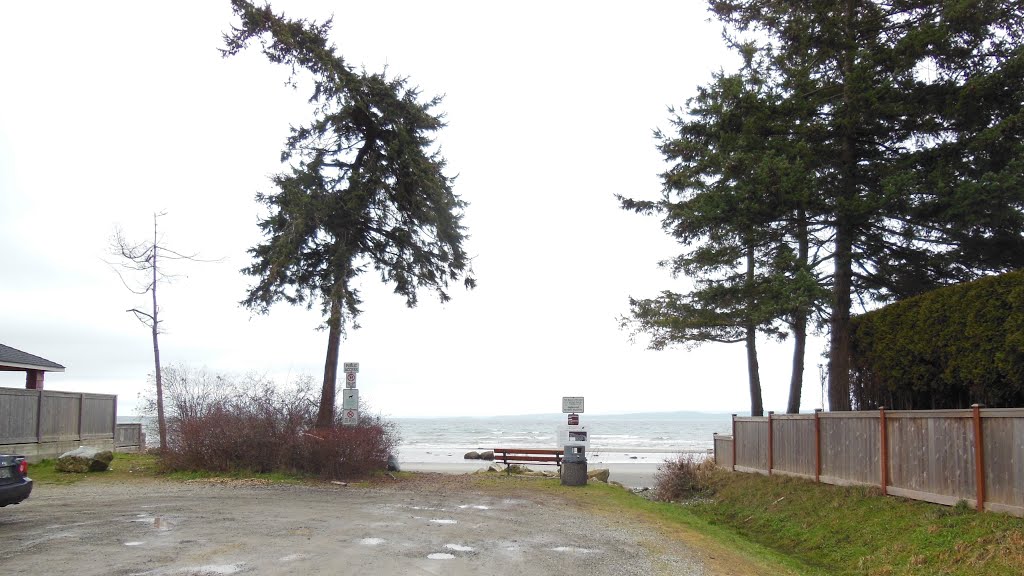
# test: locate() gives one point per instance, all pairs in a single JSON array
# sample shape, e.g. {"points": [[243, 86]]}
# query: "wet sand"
{"points": [[631, 475]]}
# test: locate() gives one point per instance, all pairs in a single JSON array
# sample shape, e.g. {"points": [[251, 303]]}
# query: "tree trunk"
{"points": [[796, 379], [160, 421], [842, 285], [753, 372], [325, 416]]}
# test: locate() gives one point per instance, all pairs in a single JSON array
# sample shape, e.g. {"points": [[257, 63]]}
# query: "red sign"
{"points": [[574, 419]]}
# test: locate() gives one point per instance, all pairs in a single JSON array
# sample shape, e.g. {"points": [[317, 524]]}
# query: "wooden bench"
{"points": [[528, 456]]}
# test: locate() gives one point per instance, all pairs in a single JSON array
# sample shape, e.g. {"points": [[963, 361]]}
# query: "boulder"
{"points": [[84, 459], [599, 474], [471, 456], [488, 455]]}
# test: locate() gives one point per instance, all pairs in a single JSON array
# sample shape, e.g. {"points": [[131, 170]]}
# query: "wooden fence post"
{"points": [[817, 444], [39, 416], [735, 442], [979, 457], [771, 444], [884, 441], [81, 414]]}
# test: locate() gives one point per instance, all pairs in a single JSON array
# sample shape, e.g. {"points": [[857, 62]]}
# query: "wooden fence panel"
{"points": [[793, 450], [59, 416], [19, 414], [723, 450], [850, 448], [932, 453], [1003, 434], [128, 435], [98, 415], [751, 443]]}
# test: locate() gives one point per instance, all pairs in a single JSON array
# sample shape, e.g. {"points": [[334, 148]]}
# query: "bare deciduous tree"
{"points": [[141, 261]]}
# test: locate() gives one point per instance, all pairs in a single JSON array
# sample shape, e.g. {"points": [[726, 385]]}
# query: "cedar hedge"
{"points": [[948, 348]]}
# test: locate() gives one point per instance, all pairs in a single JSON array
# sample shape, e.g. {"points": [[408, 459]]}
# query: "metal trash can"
{"points": [[575, 455], [574, 459]]}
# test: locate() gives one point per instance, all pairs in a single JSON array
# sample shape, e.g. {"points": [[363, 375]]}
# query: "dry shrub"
{"points": [[345, 450], [223, 424], [683, 477]]}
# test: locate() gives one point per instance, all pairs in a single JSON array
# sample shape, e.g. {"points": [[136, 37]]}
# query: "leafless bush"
{"points": [[683, 477], [222, 424]]}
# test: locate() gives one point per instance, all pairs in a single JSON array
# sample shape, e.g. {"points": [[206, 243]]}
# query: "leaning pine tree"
{"points": [[365, 188]]}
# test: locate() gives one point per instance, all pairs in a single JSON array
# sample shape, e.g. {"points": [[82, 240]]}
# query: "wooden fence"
{"points": [[129, 437], [941, 456]]}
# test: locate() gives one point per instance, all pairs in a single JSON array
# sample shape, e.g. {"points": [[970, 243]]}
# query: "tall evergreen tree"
{"points": [[731, 198], [917, 129], [365, 188]]}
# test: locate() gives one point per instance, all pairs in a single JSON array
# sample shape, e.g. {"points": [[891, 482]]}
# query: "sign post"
{"points": [[350, 398], [350, 417], [572, 404], [574, 462]]}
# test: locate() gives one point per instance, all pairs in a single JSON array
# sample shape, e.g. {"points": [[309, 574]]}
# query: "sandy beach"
{"points": [[622, 467]]}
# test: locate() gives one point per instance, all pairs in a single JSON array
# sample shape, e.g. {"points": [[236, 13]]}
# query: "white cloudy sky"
{"points": [[110, 111]]}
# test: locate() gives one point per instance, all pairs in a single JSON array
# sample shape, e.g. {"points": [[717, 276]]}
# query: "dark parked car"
{"points": [[15, 485]]}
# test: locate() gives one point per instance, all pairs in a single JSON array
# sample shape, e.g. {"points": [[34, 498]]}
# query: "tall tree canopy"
{"points": [[918, 129], [736, 198], [364, 188], [892, 134]]}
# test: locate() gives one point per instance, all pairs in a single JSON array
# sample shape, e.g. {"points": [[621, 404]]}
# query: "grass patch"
{"points": [[754, 524], [125, 466], [264, 477], [852, 530], [721, 547]]}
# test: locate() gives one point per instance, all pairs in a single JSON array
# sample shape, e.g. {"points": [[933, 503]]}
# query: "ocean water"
{"points": [[619, 438]]}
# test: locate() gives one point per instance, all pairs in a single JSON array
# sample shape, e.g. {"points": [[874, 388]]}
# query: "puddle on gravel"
{"points": [[572, 549], [458, 547], [475, 507], [441, 556], [371, 541], [158, 522], [292, 558], [443, 521], [134, 543], [208, 570]]}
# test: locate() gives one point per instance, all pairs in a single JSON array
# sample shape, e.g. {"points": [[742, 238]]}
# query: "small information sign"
{"points": [[572, 404], [350, 379], [349, 417], [350, 399], [352, 367]]}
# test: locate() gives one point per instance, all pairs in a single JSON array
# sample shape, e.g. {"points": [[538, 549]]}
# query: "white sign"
{"points": [[572, 404], [350, 399], [350, 379], [349, 417], [351, 367]]}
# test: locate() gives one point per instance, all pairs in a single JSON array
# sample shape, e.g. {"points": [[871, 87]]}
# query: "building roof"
{"points": [[12, 358]]}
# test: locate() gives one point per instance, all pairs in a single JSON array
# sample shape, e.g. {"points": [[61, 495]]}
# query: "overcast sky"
{"points": [[111, 111]]}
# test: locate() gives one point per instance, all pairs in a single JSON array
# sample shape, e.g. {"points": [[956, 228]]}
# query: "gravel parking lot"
{"points": [[433, 524]]}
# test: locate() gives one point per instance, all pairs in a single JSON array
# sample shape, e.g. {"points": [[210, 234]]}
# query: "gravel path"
{"points": [[432, 524]]}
